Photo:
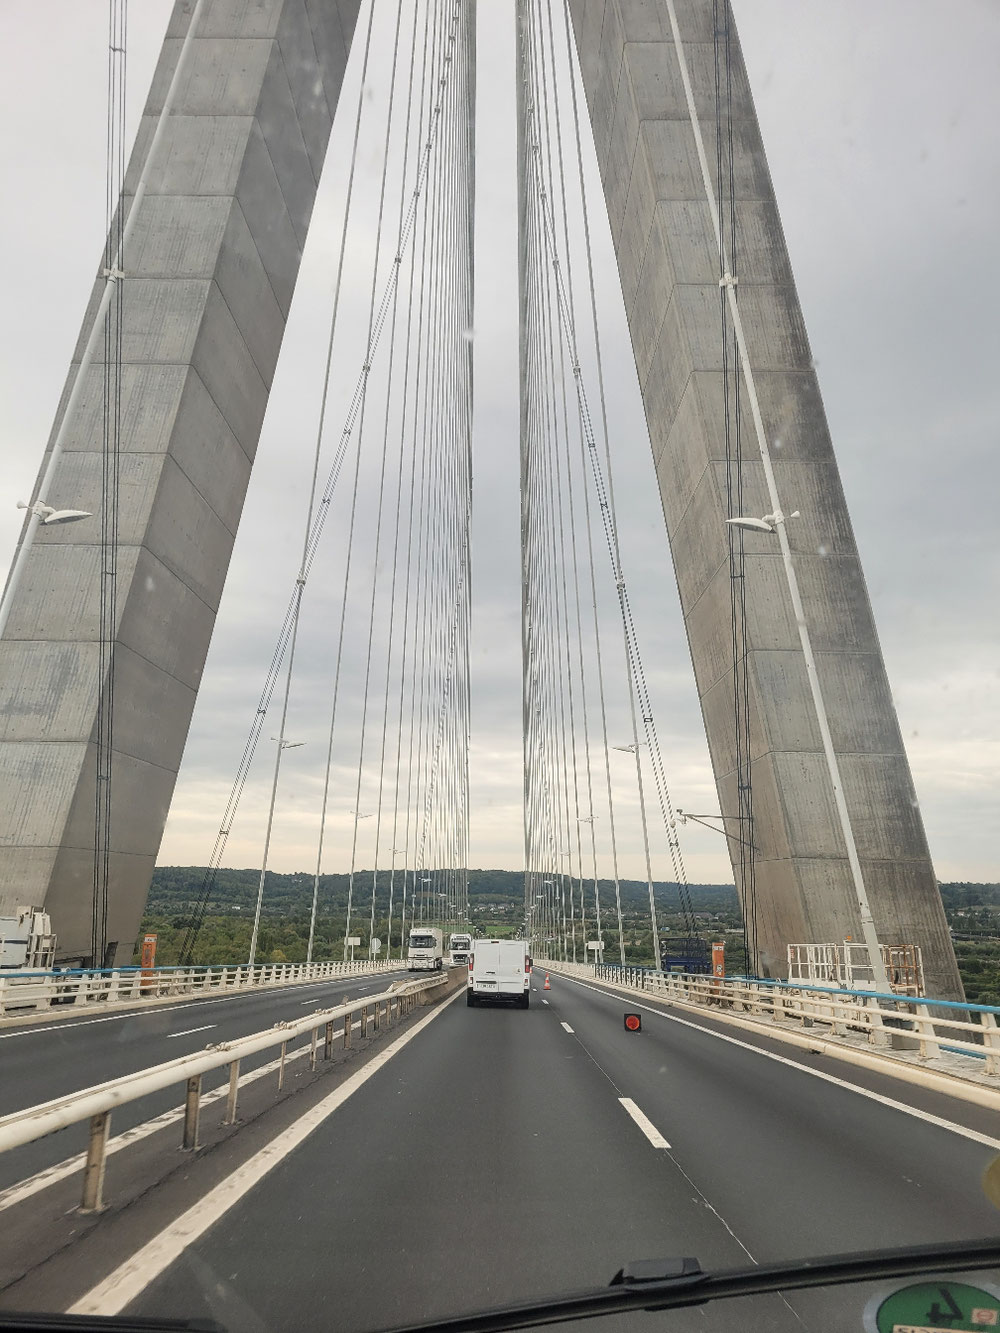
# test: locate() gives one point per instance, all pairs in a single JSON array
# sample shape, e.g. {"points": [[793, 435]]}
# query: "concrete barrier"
{"points": [[451, 979]]}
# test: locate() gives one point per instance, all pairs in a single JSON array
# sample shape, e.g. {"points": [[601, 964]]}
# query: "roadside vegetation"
{"points": [[496, 907]]}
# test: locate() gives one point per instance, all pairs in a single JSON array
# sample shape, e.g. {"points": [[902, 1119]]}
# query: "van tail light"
{"points": [[527, 964], [470, 962]]}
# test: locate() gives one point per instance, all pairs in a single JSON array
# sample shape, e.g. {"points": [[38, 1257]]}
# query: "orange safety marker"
{"points": [[547, 986]]}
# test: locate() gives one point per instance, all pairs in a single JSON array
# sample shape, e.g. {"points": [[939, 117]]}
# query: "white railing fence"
{"points": [[927, 1026], [97, 1103], [24, 992]]}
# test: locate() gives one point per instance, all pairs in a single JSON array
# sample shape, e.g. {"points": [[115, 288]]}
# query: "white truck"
{"points": [[499, 970], [26, 941], [426, 950], [459, 948]]}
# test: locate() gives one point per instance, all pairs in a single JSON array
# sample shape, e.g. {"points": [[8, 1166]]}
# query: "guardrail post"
{"points": [[312, 1051], [328, 1043], [364, 1021], [378, 1016], [93, 1172], [929, 1049], [234, 1087], [876, 1032], [348, 1024], [192, 1113], [281, 1066], [991, 1040]]}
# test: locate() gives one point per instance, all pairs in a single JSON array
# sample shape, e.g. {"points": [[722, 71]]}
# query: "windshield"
{"points": [[529, 469]]}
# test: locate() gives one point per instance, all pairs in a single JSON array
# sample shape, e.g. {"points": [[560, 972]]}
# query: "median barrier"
{"points": [[449, 981]]}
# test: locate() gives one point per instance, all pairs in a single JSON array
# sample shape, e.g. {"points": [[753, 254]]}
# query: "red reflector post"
{"points": [[633, 1023]]}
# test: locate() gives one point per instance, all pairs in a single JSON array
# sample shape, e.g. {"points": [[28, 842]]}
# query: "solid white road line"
{"points": [[111, 1295], [566, 1026], [644, 1123], [914, 1111], [188, 1031]]}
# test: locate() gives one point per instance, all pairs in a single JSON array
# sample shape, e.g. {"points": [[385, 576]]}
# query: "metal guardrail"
{"points": [[932, 1025], [97, 1103], [22, 992]]}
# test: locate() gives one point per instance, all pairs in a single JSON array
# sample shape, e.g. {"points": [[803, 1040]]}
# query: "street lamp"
{"points": [[39, 514], [775, 523], [47, 515], [282, 745]]}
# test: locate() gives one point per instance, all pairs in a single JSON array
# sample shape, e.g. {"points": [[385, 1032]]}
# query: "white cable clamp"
{"points": [[727, 280], [113, 274]]}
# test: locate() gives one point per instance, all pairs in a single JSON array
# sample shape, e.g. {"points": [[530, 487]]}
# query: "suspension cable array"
{"points": [[567, 482], [393, 586]]}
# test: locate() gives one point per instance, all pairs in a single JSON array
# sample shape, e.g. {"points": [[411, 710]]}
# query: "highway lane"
{"points": [[59, 1057], [820, 1167], [493, 1160]]}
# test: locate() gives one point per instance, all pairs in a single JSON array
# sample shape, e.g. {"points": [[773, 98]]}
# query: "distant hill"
{"points": [[179, 888]]}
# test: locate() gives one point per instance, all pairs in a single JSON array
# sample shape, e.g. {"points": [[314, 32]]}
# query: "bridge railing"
{"points": [[929, 1027], [23, 992], [97, 1103]]}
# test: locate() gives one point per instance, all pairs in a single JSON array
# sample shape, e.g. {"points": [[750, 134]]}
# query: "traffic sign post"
{"points": [[351, 942]]}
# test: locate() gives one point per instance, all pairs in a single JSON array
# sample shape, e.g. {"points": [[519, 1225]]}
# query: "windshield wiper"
{"points": [[650, 1284], [666, 1284]]}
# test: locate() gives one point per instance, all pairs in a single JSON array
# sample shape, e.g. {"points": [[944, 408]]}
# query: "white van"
{"points": [[426, 950], [499, 970], [459, 948]]}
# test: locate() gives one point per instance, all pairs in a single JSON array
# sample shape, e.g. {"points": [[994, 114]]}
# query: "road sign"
{"points": [[148, 956], [633, 1022], [719, 960], [376, 944], [595, 944], [354, 941]]}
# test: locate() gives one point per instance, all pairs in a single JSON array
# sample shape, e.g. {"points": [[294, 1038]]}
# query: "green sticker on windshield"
{"points": [[930, 1306]]}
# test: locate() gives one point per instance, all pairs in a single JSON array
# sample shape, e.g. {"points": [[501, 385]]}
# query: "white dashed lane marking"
{"points": [[644, 1123]]}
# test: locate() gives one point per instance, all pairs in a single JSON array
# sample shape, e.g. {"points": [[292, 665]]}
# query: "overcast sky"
{"points": [[881, 126]]}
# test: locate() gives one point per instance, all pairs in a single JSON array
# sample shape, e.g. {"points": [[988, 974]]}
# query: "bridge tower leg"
{"points": [[668, 261], [210, 277]]}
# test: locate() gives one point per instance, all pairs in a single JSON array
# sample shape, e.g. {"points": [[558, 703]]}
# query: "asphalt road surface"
{"points": [[493, 1159], [57, 1057]]}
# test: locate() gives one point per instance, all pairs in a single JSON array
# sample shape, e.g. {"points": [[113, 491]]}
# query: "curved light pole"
{"points": [[775, 523], [40, 512], [283, 745]]}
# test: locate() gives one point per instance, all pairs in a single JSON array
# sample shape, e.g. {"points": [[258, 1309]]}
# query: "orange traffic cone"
{"points": [[547, 986]]}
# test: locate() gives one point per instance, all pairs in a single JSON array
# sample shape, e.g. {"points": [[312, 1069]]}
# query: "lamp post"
{"points": [[283, 745], [775, 523], [40, 512]]}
